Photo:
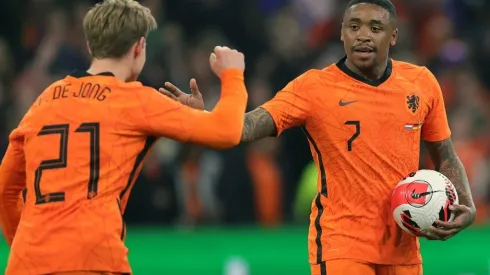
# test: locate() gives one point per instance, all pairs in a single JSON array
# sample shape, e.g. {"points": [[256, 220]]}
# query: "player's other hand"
{"points": [[224, 58], [464, 217], [193, 100]]}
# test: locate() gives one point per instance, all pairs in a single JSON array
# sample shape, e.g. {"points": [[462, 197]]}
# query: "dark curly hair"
{"points": [[385, 4]]}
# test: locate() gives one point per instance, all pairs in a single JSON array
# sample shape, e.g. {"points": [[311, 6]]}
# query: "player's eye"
{"points": [[375, 29], [354, 27]]}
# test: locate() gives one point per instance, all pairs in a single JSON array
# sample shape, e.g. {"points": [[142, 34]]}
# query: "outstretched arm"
{"points": [[157, 115], [258, 124], [290, 107]]}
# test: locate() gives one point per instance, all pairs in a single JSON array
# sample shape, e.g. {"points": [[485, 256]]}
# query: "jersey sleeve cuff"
{"points": [[275, 118], [231, 74], [436, 137]]}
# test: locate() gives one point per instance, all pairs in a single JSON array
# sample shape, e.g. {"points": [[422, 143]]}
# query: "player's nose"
{"points": [[363, 36], [363, 39]]}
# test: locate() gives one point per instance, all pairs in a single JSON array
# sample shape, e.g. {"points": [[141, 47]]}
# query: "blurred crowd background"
{"points": [[271, 182]]}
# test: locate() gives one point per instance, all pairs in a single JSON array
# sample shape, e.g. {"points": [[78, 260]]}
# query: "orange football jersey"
{"points": [[78, 152], [364, 137]]}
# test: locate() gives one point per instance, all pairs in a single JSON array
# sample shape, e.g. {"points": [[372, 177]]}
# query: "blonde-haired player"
{"points": [[79, 149]]}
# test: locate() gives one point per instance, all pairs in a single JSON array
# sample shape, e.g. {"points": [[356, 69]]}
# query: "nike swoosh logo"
{"points": [[423, 194], [342, 103]]}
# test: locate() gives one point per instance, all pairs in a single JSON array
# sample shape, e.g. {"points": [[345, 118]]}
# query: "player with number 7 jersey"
{"points": [[365, 118], [79, 149], [364, 137]]}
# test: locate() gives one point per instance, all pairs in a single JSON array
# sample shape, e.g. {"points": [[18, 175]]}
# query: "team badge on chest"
{"points": [[412, 103]]}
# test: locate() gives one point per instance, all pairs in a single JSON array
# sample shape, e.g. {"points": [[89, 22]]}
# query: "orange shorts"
{"points": [[350, 267]]}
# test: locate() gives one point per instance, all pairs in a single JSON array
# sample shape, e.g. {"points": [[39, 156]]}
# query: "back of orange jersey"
{"points": [[84, 141], [81, 159]]}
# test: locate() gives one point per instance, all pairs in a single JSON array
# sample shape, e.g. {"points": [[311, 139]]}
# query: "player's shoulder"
{"points": [[412, 72], [93, 90], [322, 76], [56, 83], [329, 72]]}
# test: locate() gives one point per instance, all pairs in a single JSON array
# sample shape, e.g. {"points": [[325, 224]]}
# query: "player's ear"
{"points": [[394, 37], [341, 32], [139, 47], [88, 49]]}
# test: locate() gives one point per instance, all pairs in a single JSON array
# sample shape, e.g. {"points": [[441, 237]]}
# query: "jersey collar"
{"points": [[80, 73], [341, 65]]}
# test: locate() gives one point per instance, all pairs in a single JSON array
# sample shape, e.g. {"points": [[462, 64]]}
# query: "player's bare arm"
{"points": [[258, 124], [289, 107], [447, 162]]}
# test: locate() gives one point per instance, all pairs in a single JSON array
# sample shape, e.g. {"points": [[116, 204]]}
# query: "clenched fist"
{"points": [[225, 58]]}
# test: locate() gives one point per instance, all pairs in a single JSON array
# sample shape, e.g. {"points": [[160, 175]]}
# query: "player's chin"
{"points": [[364, 61]]}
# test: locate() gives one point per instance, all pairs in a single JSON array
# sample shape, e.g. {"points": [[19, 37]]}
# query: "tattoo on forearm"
{"points": [[258, 124], [447, 162]]}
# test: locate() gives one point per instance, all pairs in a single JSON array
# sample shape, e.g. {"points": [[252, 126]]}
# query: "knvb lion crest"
{"points": [[413, 102]]}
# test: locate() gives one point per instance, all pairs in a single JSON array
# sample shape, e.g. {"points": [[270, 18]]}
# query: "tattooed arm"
{"points": [[290, 107], [447, 162], [258, 124]]}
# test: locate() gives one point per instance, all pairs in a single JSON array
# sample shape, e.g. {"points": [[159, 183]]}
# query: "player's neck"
{"points": [[373, 73], [117, 67]]}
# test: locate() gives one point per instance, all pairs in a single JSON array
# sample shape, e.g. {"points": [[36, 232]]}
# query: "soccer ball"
{"points": [[422, 198]]}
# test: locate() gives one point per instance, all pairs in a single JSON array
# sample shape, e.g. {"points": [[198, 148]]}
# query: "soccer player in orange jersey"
{"points": [[364, 118], [80, 148]]}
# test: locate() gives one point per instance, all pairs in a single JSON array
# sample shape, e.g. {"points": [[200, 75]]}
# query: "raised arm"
{"points": [[221, 128], [258, 124]]}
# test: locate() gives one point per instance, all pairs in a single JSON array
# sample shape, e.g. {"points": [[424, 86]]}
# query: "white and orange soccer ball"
{"points": [[422, 198]]}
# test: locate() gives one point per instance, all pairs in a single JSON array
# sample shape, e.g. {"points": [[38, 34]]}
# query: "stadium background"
{"points": [[196, 209]]}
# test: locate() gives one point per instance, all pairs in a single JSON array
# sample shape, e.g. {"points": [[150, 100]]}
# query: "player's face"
{"points": [[368, 32]]}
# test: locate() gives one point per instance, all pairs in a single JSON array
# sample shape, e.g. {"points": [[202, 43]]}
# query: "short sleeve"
{"points": [[435, 127], [290, 107]]}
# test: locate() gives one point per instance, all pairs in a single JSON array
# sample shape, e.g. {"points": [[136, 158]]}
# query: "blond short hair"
{"points": [[113, 26]]}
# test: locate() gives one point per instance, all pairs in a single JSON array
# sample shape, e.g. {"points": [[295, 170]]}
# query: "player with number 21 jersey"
{"points": [[80, 148]]}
